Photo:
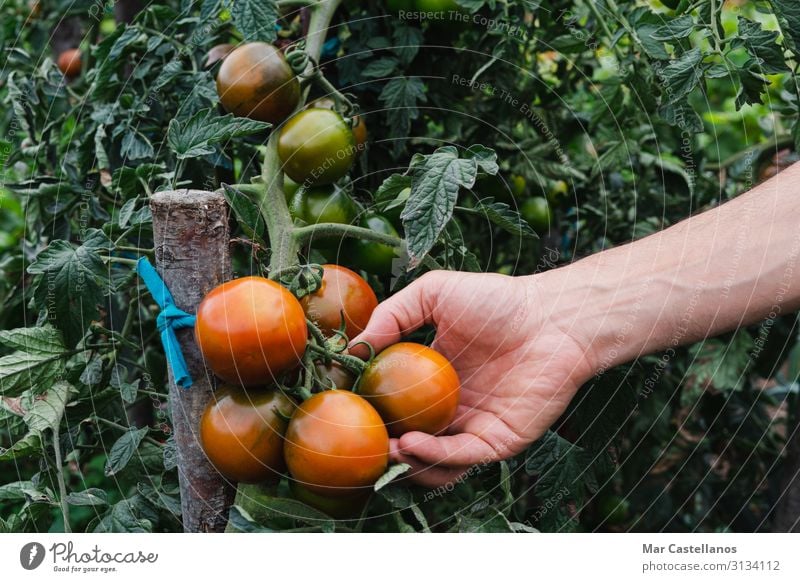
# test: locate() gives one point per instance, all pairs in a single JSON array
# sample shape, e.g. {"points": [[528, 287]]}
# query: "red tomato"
{"points": [[413, 387], [251, 330], [342, 292]]}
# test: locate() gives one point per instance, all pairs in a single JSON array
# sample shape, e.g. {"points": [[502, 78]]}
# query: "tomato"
{"points": [[336, 444], [328, 203], [614, 509], [336, 374], [359, 126], [342, 292], [250, 330], [413, 388], [242, 433], [437, 6], [255, 81], [218, 53], [518, 185], [316, 146], [346, 507], [290, 188], [537, 212], [69, 62], [558, 191], [376, 258]]}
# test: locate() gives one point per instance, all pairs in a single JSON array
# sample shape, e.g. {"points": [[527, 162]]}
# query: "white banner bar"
{"points": [[390, 557]]}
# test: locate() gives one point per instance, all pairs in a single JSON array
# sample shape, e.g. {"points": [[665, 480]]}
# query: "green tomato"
{"points": [[537, 212], [324, 204], [290, 188], [614, 510], [316, 147], [557, 192], [437, 5], [518, 185], [371, 256]]}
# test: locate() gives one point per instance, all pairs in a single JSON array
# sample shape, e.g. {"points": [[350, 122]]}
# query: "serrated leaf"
{"points": [[30, 444], [675, 29], [505, 217], [196, 136], [158, 498], [22, 371], [391, 188], [91, 497], [681, 76], [15, 491], [43, 341], [136, 146], [719, 364], [400, 97], [123, 450], [48, 408], [434, 191], [247, 214], [255, 19], [762, 45], [123, 518], [486, 158], [382, 67], [406, 42], [788, 13], [390, 475], [560, 467]]}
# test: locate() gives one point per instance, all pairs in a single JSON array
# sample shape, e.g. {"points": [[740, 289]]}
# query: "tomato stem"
{"points": [[352, 363]]}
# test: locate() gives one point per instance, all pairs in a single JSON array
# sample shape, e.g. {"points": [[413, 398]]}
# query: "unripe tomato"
{"points": [[343, 293], [336, 444], [359, 126], [255, 81], [373, 257], [242, 433], [251, 330], [316, 146], [437, 6], [290, 188], [327, 203], [558, 190], [337, 375], [69, 62], [346, 507], [536, 211], [518, 185], [413, 388]]}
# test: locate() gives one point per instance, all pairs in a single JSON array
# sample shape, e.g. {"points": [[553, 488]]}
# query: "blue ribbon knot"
{"points": [[170, 319]]}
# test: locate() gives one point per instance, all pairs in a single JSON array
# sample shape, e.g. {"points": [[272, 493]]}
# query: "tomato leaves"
{"points": [[436, 181], [255, 19], [197, 136]]}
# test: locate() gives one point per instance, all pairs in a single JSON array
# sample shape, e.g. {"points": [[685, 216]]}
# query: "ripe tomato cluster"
{"points": [[331, 439]]}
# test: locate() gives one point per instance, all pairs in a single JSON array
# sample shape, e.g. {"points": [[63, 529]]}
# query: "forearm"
{"points": [[731, 266]]}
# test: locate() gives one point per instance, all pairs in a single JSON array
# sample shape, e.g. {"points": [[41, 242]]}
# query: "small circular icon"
{"points": [[31, 555]]}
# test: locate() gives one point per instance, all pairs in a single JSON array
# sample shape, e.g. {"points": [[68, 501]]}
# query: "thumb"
{"points": [[401, 314]]}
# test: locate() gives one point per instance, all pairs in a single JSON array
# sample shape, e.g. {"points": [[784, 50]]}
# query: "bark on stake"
{"points": [[191, 235]]}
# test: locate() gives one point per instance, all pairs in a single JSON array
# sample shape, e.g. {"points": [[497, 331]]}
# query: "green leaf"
{"points": [[681, 76], [160, 498], [244, 522], [16, 491], [675, 29], [247, 214], [762, 45], [560, 467], [196, 136], [36, 364], [486, 158], [391, 188], [91, 497], [124, 518], [400, 97], [30, 444], [788, 13], [435, 186], [255, 19], [382, 67], [390, 475], [136, 146], [751, 85], [406, 42], [76, 281], [503, 216], [48, 408], [718, 364], [123, 450]]}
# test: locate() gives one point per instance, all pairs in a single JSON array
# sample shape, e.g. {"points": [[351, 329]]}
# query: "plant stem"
{"points": [[290, 3], [257, 190], [275, 211], [332, 229], [62, 486], [318, 24]]}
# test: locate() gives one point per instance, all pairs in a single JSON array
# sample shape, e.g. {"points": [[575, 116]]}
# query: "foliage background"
{"points": [[647, 114]]}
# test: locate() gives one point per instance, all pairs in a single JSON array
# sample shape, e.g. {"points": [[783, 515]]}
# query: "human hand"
{"points": [[517, 372]]}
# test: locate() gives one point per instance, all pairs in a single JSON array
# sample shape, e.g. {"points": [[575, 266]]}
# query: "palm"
{"points": [[517, 375]]}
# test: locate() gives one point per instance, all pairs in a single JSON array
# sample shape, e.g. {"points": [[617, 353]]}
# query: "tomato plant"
{"points": [[371, 256], [250, 330], [242, 433], [336, 444], [69, 62], [413, 388], [343, 300]]}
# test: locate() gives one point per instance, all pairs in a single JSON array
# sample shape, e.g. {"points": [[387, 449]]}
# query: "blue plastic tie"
{"points": [[170, 319]]}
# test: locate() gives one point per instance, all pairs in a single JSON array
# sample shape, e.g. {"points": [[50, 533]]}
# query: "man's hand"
{"points": [[517, 373]]}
